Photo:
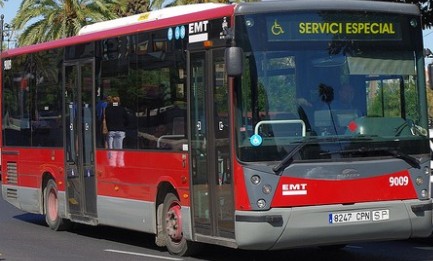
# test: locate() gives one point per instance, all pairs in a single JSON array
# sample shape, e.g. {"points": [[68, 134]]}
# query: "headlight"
{"points": [[419, 181], [255, 179], [267, 189], [424, 193], [261, 203]]}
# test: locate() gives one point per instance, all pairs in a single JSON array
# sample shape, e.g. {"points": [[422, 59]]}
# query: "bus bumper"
{"points": [[285, 228]]}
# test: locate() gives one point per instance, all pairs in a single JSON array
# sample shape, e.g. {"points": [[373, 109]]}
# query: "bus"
{"points": [[237, 134]]}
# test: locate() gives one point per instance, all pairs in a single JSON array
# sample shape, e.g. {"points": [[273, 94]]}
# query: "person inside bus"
{"points": [[100, 108], [117, 119]]}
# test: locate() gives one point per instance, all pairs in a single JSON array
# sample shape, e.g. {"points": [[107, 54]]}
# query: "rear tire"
{"points": [[51, 208], [172, 228]]}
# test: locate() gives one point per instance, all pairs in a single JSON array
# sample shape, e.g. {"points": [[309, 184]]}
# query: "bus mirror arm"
{"points": [[234, 61]]}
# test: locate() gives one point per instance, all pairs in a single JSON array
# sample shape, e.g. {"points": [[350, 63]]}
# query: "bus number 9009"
{"points": [[398, 181]]}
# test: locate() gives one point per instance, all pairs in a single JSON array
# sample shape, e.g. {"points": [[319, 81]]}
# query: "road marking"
{"points": [[140, 254], [424, 248], [352, 246]]}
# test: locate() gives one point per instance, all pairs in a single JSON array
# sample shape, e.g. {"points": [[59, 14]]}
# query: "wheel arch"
{"points": [[163, 189]]}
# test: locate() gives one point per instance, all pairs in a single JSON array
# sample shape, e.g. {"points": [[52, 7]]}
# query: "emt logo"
{"points": [[294, 189]]}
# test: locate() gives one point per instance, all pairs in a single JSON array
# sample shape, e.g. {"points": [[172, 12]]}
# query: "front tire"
{"points": [[172, 228], [51, 208]]}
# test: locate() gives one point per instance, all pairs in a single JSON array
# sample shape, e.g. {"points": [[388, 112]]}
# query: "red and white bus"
{"points": [[236, 133]]}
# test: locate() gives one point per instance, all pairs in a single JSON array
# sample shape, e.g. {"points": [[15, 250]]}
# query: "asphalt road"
{"points": [[25, 236]]}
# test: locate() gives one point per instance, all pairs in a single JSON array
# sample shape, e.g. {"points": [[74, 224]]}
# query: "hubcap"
{"points": [[173, 222], [52, 205]]}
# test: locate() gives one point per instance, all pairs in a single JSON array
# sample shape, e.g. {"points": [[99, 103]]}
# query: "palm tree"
{"points": [[2, 2], [44, 20], [132, 7]]}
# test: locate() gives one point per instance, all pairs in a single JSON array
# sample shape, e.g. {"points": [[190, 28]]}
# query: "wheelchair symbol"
{"points": [[256, 140], [277, 29]]}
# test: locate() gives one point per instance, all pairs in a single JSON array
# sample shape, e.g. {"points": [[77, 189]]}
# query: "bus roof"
{"points": [[314, 5], [148, 17], [188, 13], [154, 20]]}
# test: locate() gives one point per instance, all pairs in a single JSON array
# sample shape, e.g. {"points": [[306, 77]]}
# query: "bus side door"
{"points": [[212, 186], [79, 88]]}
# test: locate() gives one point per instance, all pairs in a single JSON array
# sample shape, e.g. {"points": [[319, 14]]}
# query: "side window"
{"points": [[16, 102], [147, 72], [46, 116], [32, 110]]}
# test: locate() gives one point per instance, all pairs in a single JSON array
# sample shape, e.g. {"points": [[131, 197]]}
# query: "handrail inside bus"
{"points": [[298, 121], [173, 136]]}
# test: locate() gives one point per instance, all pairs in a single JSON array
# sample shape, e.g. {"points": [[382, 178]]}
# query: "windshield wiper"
{"points": [[284, 163], [406, 157], [393, 152], [289, 158]]}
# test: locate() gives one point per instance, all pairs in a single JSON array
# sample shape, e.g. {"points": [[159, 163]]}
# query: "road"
{"points": [[25, 237]]}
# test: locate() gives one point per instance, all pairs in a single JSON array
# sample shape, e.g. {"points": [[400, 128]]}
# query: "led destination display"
{"points": [[332, 27]]}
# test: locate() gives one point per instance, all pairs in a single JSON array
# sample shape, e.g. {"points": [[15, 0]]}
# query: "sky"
{"points": [[9, 10]]}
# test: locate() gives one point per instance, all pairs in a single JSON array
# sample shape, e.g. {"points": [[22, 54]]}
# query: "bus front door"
{"points": [[212, 186], [79, 148]]}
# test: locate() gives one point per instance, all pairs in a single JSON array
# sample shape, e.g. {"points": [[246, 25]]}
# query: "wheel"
{"points": [[172, 228], [51, 207]]}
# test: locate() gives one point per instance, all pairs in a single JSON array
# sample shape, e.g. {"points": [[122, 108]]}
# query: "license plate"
{"points": [[359, 216]]}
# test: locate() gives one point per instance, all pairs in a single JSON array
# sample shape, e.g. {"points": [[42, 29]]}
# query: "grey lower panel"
{"points": [[26, 199], [61, 195], [118, 212], [186, 222], [31, 199], [309, 226], [127, 213]]}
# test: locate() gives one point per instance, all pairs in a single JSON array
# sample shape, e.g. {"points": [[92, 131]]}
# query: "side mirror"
{"points": [[234, 61]]}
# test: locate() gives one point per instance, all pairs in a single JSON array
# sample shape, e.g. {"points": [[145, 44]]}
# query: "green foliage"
{"points": [[131, 7], [425, 7], [385, 100], [430, 102], [2, 2], [45, 20]]}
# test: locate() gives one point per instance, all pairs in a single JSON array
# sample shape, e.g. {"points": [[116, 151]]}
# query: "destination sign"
{"points": [[347, 27]]}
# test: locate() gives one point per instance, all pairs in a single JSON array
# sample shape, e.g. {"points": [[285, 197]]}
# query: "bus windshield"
{"points": [[326, 85]]}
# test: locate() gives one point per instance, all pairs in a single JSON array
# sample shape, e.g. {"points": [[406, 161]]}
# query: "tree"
{"points": [[132, 7], [44, 20], [426, 7], [2, 2]]}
